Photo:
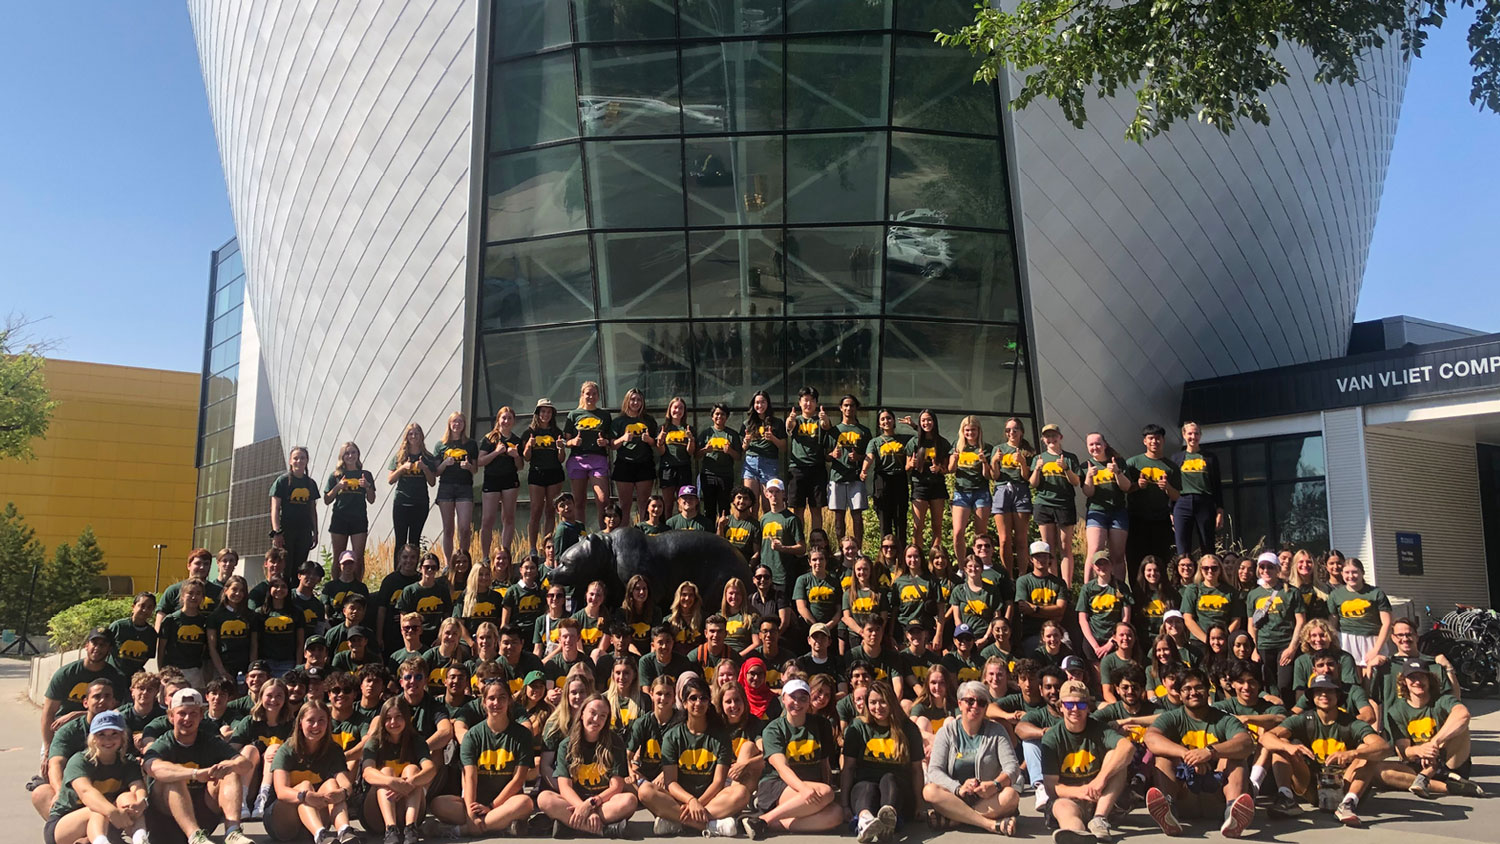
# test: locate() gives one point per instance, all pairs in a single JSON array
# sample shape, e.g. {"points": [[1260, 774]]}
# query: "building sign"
{"points": [[1419, 371], [1409, 553]]}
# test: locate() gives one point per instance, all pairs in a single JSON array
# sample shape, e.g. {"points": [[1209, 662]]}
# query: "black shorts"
{"points": [[632, 472], [676, 476], [501, 482], [1047, 514], [348, 525], [49, 830], [455, 492], [807, 485], [767, 795], [545, 477], [928, 488]]}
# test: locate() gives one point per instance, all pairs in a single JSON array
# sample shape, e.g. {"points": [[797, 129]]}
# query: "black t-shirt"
{"points": [[460, 450], [298, 498], [235, 629], [588, 426], [350, 502], [500, 473]]}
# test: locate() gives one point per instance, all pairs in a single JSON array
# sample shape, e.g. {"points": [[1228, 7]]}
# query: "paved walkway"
{"points": [[1389, 818]]}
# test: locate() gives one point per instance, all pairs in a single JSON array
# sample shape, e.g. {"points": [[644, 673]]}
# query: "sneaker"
{"points": [[1284, 805], [434, 828], [1102, 830], [199, 837], [1463, 786], [1419, 787], [325, 836], [615, 830], [755, 828], [349, 836], [885, 823], [560, 830], [863, 828], [1159, 807], [258, 810], [1237, 816], [1345, 814], [722, 828], [662, 826], [1073, 836], [518, 828], [392, 835], [408, 835], [236, 836]]}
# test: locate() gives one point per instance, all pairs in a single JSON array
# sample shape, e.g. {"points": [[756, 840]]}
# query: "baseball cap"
{"points": [[347, 557], [1267, 559], [1319, 683], [962, 630], [775, 483], [533, 677], [311, 567], [793, 686], [1171, 614], [1074, 690], [315, 642], [1414, 666], [1101, 554], [1051, 428], [101, 633], [820, 627], [259, 665], [687, 490], [918, 625], [357, 630], [314, 672], [1040, 547], [187, 697], [109, 719], [1072, 663]]}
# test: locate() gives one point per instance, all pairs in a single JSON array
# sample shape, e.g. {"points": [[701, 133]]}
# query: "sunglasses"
{"points": [[1208, 568], [412, 676], [1074, 705], [555, 597], [884, 547], [759, 577], [969, 701], [696, 699]]}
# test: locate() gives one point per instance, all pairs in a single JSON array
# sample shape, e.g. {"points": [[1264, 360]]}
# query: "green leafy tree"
{"points": [[25, 408], [1209, 59], [20, 551], [71, 576]]}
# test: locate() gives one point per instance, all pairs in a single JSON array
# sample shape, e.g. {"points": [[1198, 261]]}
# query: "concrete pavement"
{"points": [[1389, 818]]}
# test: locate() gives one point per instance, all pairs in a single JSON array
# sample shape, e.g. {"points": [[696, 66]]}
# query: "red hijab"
{"points": [[760, 699]]}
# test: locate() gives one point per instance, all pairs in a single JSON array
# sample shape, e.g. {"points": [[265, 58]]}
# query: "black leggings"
{"points": [[1275, 678], [892, 498], [408, 520], [714, 492], [889, 791], [1193, 523]]}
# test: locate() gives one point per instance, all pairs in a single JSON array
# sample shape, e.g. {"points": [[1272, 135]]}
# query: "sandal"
{"points": [[1006, 826], [934, 820]]}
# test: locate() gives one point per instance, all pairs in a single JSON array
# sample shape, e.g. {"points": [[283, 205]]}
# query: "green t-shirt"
{"points": [[411, 484], [675, 441], [556, 669], [851, 442], [1279, 620], [1055, 490], [1042, 591], [350, 501], [1147, 499], [315, 769], [936, 715], [70, 684], [1180, 726], [863, 603], [1344, 733], [544, 443], [335, 592], [1355, 699], [761, 444], [1114, 712], [502, 470], [929, 454], [496, 756], [788, 528], [716, 448], [644, 739], [635, 450], [390, 754], [487, 607], [1153, 606], [206, 751], [873, 749], [588, 426], [234, 629], [434, 603], [526, 603], [348, 731], [278, 633], [806, 748], [744, 536], [1302, 670], [133, 646], [591, 628], [809, 442], [914, 597], [1107, 497], [698, 522], [965, 668], [567, 535], [1105, 605], [589, 778], [185, 640], [1112, 665], [1260, 707], [821, 594], [110, 780], [648, 668], [975, 606], [1195, 470], [969, 476], [1076, 758], [696, 755], [298, 497], [1358, 612], [171, 598], [248, 731], [1383, 684], [888, 664], [652, 530], [1211, 605], [1417, 724], [890, 455], [1013, 469]]}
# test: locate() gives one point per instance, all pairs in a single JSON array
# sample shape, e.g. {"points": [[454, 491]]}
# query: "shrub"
{"points": [[69, 628]]}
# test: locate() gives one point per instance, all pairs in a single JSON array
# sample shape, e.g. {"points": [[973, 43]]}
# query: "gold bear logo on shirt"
{"points": [[635, 428], [913, 592], [1043, 595], [299, 777], [277, 624], [300, 495], [891, 448], [1195, 464], [677, 438], [429, 603], [717, 442], [770, 530], [881, 750], [544, 441], [850, 439], [1010, 460], [1103, 602], [737, 534], [653, 749], [976, 607], [1421, 729], [497, 760], [1053, 469], [1104, 476], [1354, 608], [808, 429], [803, 750], [133, 649], [820, 594], [530, 603], [590, 775], [1078, 763], [233, 629], [1212, 602], [1198, 739], [588, 423], [1269, 603], [968, 459], [697, 760], [1326, 747], [189, 633], [1152, 474]]}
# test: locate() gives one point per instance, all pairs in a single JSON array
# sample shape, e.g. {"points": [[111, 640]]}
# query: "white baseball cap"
{"points": [[187, 697], [794, 686], [1040, 547]]}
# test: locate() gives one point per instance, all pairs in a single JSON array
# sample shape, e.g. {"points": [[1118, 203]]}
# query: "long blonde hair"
{"points": [[471, 587], [899, 751], [1294, 578], [561, 718], [625, 401], [494, 435], [604, 749], [448, 426], [978, 433], [582, 388], [358, 463], [402, 455], [744, 598], [693, 622]]}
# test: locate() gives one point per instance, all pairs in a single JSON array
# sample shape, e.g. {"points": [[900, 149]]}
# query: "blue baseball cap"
{"points": [[107, 720]]}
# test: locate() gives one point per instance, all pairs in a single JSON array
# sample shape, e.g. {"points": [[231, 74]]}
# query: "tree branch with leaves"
{"points": [[1213, 60], [25, 405]]}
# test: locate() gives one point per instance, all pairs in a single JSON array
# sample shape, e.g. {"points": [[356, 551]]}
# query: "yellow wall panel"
{"points": [[118, 457]]}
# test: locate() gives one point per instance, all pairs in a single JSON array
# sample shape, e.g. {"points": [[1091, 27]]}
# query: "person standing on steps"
{"points": [[1199, 511], [294, 509]]}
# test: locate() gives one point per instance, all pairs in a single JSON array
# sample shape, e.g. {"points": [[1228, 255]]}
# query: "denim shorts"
{"points": [[587, 466], [1011, 497], [761, 468], [1109, 519], [972, 500]]}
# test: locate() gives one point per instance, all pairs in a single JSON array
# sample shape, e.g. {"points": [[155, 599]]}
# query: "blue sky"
{"points": [[112, 195]]}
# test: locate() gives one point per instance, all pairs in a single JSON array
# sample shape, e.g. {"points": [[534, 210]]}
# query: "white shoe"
{"points": [[722, 828]]}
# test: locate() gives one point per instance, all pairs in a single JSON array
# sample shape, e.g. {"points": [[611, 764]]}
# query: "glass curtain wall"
{"points": [[707, 198], [221, 362], [1275, 492]]}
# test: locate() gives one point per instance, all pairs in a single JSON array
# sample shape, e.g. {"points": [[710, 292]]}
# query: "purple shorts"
{"points": [[587, 466]]}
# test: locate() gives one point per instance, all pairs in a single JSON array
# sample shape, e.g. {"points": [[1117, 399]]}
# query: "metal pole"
{"points": [[156, 587]]}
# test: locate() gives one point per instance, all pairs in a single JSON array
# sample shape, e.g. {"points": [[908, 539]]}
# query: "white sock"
{"points": [[139, 836], [1257, 775], [319, 832], [1351, 798], [103, 839], [343, 829]]}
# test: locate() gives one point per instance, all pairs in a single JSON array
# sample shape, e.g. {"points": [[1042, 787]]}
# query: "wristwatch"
{"points": [[274, 533]]}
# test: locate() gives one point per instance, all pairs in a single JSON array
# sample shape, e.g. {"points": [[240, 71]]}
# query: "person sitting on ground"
{"points": [[1356, 701], [795, 793], [1323, 737], [1085, 766], [592, 794], [398, 768], [1253, 709], [1035, 723], [1431, 735], [1200, 753], [497, 755], [70, 739], [196, 778], [696, 791], [972, 773], [103, 796], [258, 736], [311, 782], [643, 742], [882, 773]]}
